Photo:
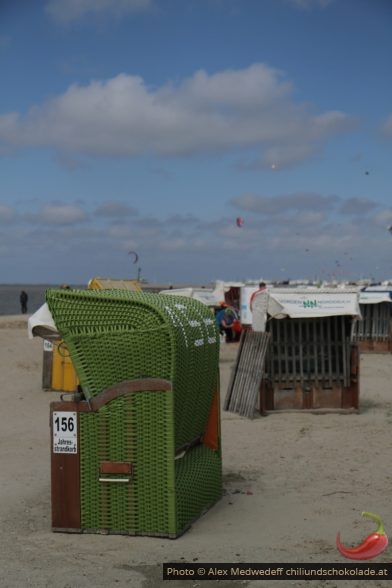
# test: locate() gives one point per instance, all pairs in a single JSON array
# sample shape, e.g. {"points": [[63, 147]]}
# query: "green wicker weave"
{"points": [[117, 335]]}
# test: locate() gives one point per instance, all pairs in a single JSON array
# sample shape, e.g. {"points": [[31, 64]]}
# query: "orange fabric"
{"points": [[211, 434], [237, 328]]}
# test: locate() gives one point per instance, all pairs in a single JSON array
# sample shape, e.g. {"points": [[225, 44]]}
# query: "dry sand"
{"points": [[291, 482]]}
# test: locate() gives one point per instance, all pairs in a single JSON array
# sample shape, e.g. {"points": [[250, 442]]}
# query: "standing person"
{"points": [[23, 301], [259, 308], [224, 320], [262, 288]]}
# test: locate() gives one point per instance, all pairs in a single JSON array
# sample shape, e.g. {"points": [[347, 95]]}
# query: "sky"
{"points": [[151, 126]]}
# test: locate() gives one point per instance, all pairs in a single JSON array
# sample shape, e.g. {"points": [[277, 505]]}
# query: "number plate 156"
{"points": [[65, 432]]}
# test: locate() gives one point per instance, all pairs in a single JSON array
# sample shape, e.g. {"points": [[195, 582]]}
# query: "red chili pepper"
{"points": [[372, 546]]}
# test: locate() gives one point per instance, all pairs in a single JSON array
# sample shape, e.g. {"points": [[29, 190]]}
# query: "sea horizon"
{"points": [[10, 303], [9, 297]]}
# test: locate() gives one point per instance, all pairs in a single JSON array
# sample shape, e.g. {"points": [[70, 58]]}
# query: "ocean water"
{"points": [[9, 297]]}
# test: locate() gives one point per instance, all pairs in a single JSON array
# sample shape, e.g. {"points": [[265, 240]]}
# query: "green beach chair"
{"points": [[148, 458]]}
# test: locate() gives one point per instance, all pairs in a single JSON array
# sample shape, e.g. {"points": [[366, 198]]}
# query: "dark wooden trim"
{"points": [[116, 467], [65, 468], [350, 395], [128, 387], [337, 398], [81, 406], [266, 402], [115, 391], [374, 346], [65, 482]]}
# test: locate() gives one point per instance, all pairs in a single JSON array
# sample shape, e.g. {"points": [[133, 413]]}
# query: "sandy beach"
{"points": [[291, 482]]}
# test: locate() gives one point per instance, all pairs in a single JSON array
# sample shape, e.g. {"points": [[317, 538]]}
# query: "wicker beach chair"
{"points": [[149, 456]]}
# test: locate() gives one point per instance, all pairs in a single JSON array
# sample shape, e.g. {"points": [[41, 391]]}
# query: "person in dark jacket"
{"points": [[224, 321], [23, 301]]}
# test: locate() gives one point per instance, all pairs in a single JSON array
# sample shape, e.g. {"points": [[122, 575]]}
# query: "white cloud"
{"points": [[306, 233], [357, 206], [311, 218], [329, 122], [66, 11], [67, 161], [7, 214], [115, 209], [309, 4], [387, 127], [276, 205], [252, 108], [229, 230], [120, 231], [175, 245], [179, 220], [383, 218], [281, 156], [58, 214]]}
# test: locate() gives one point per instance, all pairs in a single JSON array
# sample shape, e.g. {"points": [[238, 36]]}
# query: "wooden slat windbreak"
{"points": [[243, 389], [309, 351], [375, 323]]}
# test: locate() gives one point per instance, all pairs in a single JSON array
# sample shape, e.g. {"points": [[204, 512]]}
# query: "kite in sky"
{"points": [[136, 257]]}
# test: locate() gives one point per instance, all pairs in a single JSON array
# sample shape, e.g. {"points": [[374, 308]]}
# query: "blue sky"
{"points": [[151, 125]]}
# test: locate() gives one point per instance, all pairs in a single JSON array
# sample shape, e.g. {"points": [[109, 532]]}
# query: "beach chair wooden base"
{"points": [[375, 346], [311, 395], [115, 469]]}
